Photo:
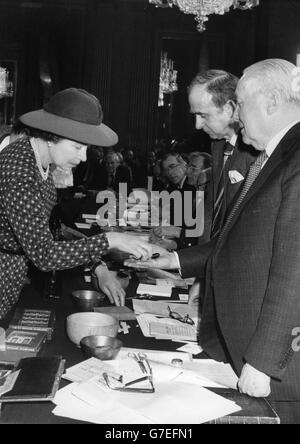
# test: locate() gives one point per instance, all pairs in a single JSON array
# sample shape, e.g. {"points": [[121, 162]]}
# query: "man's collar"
{"points": [[182, 183], [272, 145], [233, 139]]}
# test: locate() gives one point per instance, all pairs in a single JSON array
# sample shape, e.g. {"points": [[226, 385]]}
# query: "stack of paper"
{"points": [[177, 399], [154, 320], [164, 291]]}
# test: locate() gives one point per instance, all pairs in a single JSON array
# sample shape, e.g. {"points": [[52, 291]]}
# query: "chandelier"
{"points": [[201, 9], [167, 79], [5, 84]]}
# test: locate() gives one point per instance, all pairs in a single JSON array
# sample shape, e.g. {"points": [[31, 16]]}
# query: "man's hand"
{"points": [[167, 261], [110, 286], [134, 245], [194, 293], [254, 383]]}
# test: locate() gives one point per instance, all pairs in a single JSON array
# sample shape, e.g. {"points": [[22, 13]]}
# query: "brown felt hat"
{"points": [[73, 114]]}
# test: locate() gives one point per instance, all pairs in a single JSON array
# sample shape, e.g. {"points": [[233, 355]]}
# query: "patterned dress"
{"points": [[26, 201]]}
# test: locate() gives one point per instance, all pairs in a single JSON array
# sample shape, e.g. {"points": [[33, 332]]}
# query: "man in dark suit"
{"points": [[213, 102], [253, 299], [175, 170], [251, 312]]}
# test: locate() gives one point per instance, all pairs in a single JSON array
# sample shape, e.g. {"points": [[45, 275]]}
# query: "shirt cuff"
{"points": [[178, 262]]}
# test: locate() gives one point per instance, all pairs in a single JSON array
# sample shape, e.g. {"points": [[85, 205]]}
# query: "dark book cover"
{"points": [[34, 320], [254, 410], [37, 379], [24, 340]]}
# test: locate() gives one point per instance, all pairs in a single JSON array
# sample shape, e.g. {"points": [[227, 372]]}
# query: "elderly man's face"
{"points": [[252, 114], [214, 121], [174, 170], [111, 163]]}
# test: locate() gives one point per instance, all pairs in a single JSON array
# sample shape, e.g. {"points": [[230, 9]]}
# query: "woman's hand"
{"points": [[110, 285], [169, 232], [135, 246]]}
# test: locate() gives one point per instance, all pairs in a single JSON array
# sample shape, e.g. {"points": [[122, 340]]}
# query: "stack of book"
{"points": [[34, 320], [25, 340], [27, 332]]}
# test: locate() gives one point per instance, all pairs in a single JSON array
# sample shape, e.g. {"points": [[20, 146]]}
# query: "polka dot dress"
{"points": [[26, 201]]}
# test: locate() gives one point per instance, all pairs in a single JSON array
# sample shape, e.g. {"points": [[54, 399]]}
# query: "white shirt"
{"points": [[233, 140], [4, 143], [273, 144], [182, 183]]}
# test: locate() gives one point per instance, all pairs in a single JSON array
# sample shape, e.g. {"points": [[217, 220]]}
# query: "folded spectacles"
{"points": [[178, 317], [113, 384], [117, 383]]}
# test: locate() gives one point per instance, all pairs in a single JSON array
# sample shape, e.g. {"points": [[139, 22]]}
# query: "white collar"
{"points": [[182, 183], [233, 140], [5, 142], [272, 145]]}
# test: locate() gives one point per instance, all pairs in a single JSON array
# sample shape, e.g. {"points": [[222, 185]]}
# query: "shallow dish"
{"points": [[101, 347], [86, 300]]}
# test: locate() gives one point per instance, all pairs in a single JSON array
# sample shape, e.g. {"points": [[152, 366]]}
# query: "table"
{"points": [[253, 410]]}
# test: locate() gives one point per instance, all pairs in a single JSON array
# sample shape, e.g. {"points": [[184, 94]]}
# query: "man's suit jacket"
{"points": [[184, 241], [240, 161], [243, 156], [252, 296]]}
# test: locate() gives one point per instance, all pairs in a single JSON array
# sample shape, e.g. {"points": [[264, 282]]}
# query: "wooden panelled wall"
{"points": [[112, 48]]}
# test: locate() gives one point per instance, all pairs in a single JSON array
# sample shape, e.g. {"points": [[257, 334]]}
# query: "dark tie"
{"points": [[111, 180], [253, 173], [219, 204]]}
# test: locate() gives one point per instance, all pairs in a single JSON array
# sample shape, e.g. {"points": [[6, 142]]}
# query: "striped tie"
{"points": [[254, 171], [219, 209]]}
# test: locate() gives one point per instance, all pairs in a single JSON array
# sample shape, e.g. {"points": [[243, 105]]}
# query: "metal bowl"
{"points": [[86, 300], [101, 347]]}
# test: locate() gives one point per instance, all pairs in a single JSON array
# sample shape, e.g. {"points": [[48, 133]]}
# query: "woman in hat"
{"points": [[60, 133]]}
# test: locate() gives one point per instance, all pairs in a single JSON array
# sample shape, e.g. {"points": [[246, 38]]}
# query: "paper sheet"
{"points": [[160, 308], [155, 290], [172, 403], [192, 348], [179, 397], [218, 372], [70, 406]]}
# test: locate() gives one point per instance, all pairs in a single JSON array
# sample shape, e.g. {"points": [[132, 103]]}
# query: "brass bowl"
{"points": [[87, 300], [100, 347]]}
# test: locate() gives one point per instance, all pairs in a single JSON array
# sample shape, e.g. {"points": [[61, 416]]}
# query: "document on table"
{"points": [[163, 356], [160, 308], [164, 291], [87, 369], [218, 372], [179, 394], [70, 406], [154, 320], [173, 402]]}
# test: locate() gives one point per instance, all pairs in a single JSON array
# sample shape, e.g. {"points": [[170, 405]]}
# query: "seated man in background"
{"points": [[90, 175], [199, 170], [116, 173], [175, 170]]}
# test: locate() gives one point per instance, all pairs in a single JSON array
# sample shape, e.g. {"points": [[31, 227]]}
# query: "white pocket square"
{"points": [[235, 177]]}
